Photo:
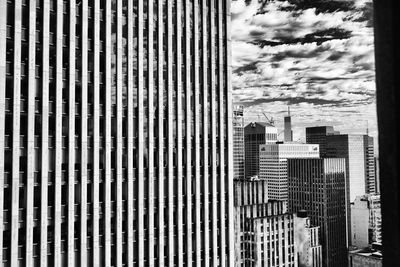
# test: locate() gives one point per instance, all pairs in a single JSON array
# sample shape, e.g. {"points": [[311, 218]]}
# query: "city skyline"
{"points": [[316, 57]]}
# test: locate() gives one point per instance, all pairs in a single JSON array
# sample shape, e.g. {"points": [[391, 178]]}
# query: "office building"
{"points": [[265, 235], [273, 165], [377, 175], [366, 221], [307, 241], [115, 133], [250, 192], [238, 142], [366, 257], [288, 133], [318, 186], [358, 150], [318, 135], [256, 134]]}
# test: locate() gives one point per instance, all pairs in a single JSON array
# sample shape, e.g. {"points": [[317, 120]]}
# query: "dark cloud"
{"points": [[294, 101], [252, 67], [318, 37], [321, 6]]}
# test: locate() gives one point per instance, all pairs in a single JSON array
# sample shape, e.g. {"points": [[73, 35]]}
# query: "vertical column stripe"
{"points": [[3, 43], [71, 135], [161, 174], [150, 105], [96, 135], [58, 159], [214, 121], [179, 207], [170, 89], [188, 92], [30, 155], [16, 133], [118, 195], [107, 130], [206, 222], [130, 155], [140, 147], [84, 134], [198, 246], [45, 134], [221, 64]]}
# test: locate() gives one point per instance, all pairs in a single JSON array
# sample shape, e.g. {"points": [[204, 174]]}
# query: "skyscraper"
{"points": [[273, 165], [238, 142], [317, 135], [256, 134], [115, 133], [358, 150], [288, 133], [318, 187]]}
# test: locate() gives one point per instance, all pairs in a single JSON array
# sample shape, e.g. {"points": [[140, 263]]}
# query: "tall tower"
{"points": [[256, 134], [288, 133], [318, 186], [115, 133], [238, 142]]}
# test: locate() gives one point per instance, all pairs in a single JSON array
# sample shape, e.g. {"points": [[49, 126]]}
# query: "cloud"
{"points": [[316, 55]]}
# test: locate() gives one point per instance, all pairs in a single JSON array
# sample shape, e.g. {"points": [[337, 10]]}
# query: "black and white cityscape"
{"points": [[188, 133]]}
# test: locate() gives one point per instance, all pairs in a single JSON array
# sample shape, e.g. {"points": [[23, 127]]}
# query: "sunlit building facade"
{"points": [[115, 133]]}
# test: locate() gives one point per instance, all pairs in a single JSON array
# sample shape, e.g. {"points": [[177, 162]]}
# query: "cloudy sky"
{"points": [[316, 56]]}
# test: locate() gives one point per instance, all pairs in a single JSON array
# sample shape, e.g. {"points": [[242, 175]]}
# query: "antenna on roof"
{"points": [[288, 110], [367, 128]]}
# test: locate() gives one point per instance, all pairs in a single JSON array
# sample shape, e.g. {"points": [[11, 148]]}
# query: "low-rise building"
{"points": [[366, 257]]}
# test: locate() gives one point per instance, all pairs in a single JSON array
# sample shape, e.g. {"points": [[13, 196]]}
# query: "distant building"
{"points": [[266, 235], [319, 187], [317, 135], [366, 221], [288, 133], [256, 134], [250, 192], [377, 176], [358, 150], [366, 257], [307, 241], [273, 165], [238, 142]]}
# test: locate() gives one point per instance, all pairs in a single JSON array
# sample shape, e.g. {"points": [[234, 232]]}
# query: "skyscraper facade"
{"points": [[366, 221], [238, 142], [317, 135], [288, 133], [273, 165], [358, 150], [318, 187], [256, 134], [115, 133]]}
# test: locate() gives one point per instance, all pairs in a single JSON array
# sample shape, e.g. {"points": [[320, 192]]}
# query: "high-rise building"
{"points": [[256, 134], [317, 135], [358, 150], [264, 235], [318, 186], [273, 165], [307, 241], [115, 133], [377, 175], [288, 133], [366, 221], [238, 142]]}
